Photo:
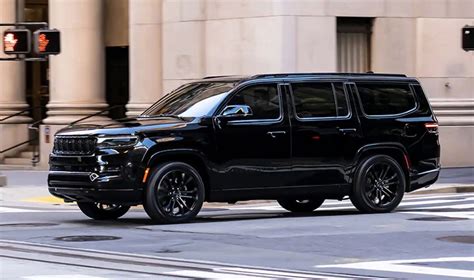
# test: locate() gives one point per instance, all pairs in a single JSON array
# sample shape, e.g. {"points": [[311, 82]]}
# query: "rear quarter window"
{"points": [[386, 99]]}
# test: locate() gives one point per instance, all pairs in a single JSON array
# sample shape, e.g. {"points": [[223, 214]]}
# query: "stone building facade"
{"points": [[171, 42]]}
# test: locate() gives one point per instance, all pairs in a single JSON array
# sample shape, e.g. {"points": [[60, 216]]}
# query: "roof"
{"points": [[284, 76]]}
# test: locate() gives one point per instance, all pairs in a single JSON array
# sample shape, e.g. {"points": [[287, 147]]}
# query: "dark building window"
{"points": [[353, 44]]}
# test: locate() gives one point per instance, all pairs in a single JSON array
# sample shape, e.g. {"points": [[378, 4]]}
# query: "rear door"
{"points": [[326, 133]]}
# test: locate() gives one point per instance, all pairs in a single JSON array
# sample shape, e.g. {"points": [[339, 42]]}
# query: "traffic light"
{"points": [[16, 41], [46, 41], [468, 38]]}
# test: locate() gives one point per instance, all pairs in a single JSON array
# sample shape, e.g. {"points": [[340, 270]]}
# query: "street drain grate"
{"points": [[438, 219], [84, 238], [29, 225], [467, 239]]}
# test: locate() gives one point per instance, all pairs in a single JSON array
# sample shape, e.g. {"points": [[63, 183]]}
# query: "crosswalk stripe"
{"points": [[410, 266]]}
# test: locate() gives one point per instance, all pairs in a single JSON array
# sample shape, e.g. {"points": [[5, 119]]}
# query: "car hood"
{"points": [[127, 126]]}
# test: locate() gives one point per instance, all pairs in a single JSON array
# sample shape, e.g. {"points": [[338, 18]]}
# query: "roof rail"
{"points": [[219, 76], [282, 75]]}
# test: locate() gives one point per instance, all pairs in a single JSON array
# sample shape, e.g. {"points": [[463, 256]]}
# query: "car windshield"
{"points": [[191, 100]]}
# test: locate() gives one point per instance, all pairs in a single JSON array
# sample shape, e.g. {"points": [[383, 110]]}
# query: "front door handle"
{"points": [[274, 134], [345, 131]]}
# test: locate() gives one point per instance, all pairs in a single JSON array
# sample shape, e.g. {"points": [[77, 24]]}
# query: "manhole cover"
{"points": [[438, 219], [29, 225], [83, 238], [167, 251], [468, 239]]}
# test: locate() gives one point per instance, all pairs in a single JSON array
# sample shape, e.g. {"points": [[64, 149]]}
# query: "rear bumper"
{"points": [[423, 179], [93, 187]]}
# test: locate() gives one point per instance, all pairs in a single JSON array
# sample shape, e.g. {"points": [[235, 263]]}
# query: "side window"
{"points": [[262, 99], [317, 100], [341, 100], [385, 99]]}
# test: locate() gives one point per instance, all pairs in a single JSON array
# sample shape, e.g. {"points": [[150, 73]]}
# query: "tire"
{"points": [[379, 185], [102, 211], [301, 206], [172, 197]]}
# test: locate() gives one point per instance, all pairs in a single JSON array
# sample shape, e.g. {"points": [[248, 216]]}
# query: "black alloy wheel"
{"points": [[102, 211], [380, 184], [300, 206], [175, 193]]}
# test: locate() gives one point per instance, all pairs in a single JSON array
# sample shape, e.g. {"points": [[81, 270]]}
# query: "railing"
{"points": [[34, 127], [31, 139]]}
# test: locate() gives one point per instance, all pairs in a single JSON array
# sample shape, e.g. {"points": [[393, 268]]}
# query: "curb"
{"points": [[453, 189]]}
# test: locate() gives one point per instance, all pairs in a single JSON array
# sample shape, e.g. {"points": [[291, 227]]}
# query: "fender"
{"points": [[380, 146], [155, 156]]}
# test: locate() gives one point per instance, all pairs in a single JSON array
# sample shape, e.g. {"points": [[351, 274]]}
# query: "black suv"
{"points": [[296, 138]]}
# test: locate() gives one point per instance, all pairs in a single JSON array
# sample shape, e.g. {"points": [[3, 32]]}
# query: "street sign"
{"points": [[47, 41], [468, 38], [16, 41]]}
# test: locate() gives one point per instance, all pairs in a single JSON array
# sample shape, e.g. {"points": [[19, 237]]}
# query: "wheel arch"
{"points": [[395, 150], [195, 158]]}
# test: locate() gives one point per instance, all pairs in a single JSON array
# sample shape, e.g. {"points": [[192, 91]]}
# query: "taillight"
{"points": [[432, 127]]}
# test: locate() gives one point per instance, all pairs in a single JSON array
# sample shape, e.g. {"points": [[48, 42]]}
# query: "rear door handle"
{"points": [[274, 134], [345, 131]]}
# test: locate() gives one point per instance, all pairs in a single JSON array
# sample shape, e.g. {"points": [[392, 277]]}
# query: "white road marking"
{"points": [[459, 214], [460, 206], [410, 266], [22, 210], [16, 210], [213, 275], [64, 276]]}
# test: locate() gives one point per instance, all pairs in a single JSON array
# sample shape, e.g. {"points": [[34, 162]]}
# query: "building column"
{"points": [[12, 83], [77, 74], [145, 54]]}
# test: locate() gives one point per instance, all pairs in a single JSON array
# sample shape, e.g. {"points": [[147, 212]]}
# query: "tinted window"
{"points": [[385, 99], [262, 99], [341, 101], [319, 100]]}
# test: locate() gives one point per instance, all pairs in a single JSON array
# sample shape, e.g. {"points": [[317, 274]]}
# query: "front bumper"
{"points": [[93, 187]]}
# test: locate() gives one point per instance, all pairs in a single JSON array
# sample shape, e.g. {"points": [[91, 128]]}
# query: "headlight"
{"points": [[116, 141]]}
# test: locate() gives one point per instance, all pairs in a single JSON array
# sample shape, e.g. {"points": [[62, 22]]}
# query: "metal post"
{"points": [[20, 10]]}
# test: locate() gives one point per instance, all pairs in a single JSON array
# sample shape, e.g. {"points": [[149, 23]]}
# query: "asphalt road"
{"points": [[428, 237]]}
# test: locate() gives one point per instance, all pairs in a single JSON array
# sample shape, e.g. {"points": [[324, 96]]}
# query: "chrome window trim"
{"points": [[386, 116], [349, 108]]}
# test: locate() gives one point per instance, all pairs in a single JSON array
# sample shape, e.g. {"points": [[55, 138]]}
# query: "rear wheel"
{"points": [[175, 193], [102, 211], [379, 185], [301, 206]]}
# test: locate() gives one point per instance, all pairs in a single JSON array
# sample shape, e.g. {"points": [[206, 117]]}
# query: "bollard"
{"points": [[3, 180]]}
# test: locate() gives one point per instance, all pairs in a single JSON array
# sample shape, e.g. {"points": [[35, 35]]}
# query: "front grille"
{"points": [[74, 145]]}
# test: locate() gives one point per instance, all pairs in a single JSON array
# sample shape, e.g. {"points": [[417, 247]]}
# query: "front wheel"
{"points": [[175, 193], [301, 206], [379, 185], [102, 211]]}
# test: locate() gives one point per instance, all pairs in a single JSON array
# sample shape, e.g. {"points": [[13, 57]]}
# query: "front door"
{"points": [[325, 132], [254, 150]]}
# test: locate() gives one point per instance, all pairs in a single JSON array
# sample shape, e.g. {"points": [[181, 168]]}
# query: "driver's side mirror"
{"points": [[237, 111]]}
